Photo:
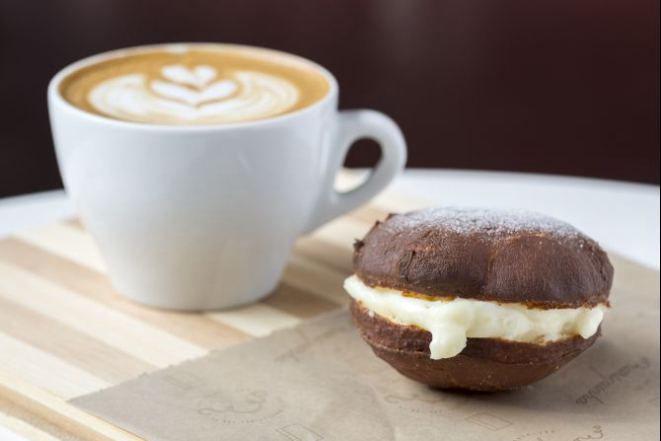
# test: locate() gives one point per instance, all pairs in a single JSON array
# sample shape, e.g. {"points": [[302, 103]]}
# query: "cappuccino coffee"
{"points": [[195, 84]]}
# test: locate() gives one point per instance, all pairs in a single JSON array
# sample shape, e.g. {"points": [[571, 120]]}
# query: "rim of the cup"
{"points": [[55, 94]]}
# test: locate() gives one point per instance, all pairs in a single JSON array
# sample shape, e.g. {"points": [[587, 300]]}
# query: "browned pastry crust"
{"points": [[485, 364], [537, 261]]}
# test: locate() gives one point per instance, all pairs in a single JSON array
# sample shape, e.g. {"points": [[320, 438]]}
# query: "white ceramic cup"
{"points": [[204, 217]]}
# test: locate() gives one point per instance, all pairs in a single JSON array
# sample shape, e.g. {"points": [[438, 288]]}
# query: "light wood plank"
{"points": [[369, 214], [298, 302], [257, 320], [93, 285], [118, 330], [65, 343], [314, 277], [335, 257], [68, 344], [342, 232], [23, 429], [41, 403], [66, 241], [45, 371]]}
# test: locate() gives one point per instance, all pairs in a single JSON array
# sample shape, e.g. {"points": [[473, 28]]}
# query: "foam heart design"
{"points": [[215, 91], [198, 77]]}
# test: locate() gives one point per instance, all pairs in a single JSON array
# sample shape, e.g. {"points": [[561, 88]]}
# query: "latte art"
{"points": [[194, 96], [196, 87]]}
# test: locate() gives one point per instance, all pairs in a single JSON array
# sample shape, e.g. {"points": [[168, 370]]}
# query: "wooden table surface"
{"points": [[65, 332]]}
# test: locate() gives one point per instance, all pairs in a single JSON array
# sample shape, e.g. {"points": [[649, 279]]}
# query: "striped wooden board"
{"points": [[65, 332]]}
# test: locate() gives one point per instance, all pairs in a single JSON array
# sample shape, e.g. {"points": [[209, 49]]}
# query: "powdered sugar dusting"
{"points": [[490, 222]]}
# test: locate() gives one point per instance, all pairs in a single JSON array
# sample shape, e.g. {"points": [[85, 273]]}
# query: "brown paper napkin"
{"points": [[319, 381]]}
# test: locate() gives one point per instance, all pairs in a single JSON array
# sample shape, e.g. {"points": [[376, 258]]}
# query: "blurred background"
{"points": [[551, 86]]}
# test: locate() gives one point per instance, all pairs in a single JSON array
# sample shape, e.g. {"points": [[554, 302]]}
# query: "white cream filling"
{"points": [[451, 322]]}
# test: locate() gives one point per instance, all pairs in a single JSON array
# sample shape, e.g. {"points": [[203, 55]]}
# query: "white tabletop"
{"points": [[623, 217]]}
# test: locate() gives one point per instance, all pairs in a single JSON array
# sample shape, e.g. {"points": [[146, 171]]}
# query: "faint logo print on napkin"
{"points": [[298, 432], [240, 406], [549, 435], [489, 421], [608, 380], [539, 435], [411, 398]]}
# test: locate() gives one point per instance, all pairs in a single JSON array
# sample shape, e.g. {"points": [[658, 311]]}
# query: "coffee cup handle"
{"points": [[354, 125]]}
